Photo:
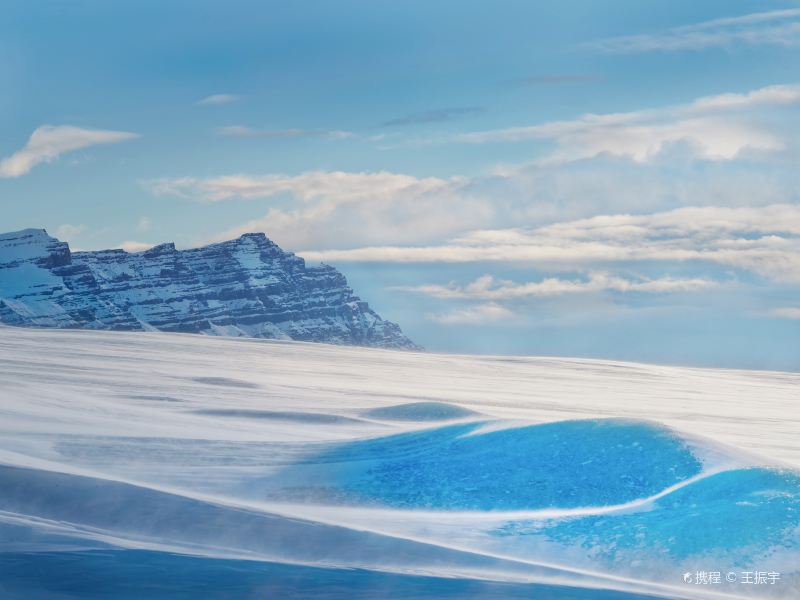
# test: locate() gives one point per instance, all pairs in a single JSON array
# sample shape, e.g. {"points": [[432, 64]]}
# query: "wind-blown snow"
{"points": [[427, 475], [420, 411]]}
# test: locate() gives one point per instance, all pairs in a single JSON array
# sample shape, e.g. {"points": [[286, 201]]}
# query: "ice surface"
{"points": [[566, 464], [175, 466], [89, 575], [741, 514]]}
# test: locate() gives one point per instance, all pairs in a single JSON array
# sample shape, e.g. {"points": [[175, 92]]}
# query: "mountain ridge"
{"points": [[246, 287]]}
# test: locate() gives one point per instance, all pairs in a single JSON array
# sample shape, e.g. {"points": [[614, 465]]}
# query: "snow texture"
{"points": [[164, 465]]}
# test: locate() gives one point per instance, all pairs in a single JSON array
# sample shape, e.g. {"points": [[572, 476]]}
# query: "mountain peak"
{"points": [[27, 235], [244, 287], [166, 248], [259, 238], [256, 235], [32, 246]]}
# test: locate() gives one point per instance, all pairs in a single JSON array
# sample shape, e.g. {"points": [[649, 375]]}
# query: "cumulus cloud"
{"points": [[776, 27], [713, 128], [67, 232], [481, 313], [488, 287], [217, 99], [48, 142], [764, 240]]}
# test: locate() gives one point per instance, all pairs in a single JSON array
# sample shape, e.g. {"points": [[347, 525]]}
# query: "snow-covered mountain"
{"points": [[243, 287]]}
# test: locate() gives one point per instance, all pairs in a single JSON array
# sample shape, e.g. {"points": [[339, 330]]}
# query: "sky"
{"points": [[616, 180]]}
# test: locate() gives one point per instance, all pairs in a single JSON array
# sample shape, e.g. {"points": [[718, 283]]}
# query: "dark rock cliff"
{"points": [[242, 287]]}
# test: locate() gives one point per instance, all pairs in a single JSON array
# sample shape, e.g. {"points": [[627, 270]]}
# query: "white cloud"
{"points": [[488, 287], [771, 95], [336, 208], [764, 240], [131, 246], [248, 132], [713, 128], [482, 313], [67, 232], [406, 217], [708, 221], [494, 295], [786, 312], [777, 27], [602, 186], [218, 99], [706, 138], [242, 131], [49, 142], [338, 186]]}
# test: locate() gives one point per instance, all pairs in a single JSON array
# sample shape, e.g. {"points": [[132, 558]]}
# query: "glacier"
{"points": [[168, 465]]}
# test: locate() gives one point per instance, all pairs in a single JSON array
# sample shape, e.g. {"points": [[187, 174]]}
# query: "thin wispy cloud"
{"points": [[336, 207], [242, 131], [494, 298], [217, 100], [786, 312], [777, 27], [479, 314], [539, 80], [718, 127], [48, 142], [339, 186], [438, 115], [761, 240], [488, 287], [68, 232]]}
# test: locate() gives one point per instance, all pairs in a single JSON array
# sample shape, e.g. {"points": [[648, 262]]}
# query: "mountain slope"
{"points": [[242, 287]]}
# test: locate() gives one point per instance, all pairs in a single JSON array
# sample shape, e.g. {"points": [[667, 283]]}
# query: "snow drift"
{"points": [[177, 466]]}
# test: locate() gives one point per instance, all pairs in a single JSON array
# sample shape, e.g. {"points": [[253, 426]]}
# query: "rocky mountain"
{"points": [[242, 287]]}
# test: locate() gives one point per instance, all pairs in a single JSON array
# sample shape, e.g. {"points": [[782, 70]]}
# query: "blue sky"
{"points": [[595, 179]]}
